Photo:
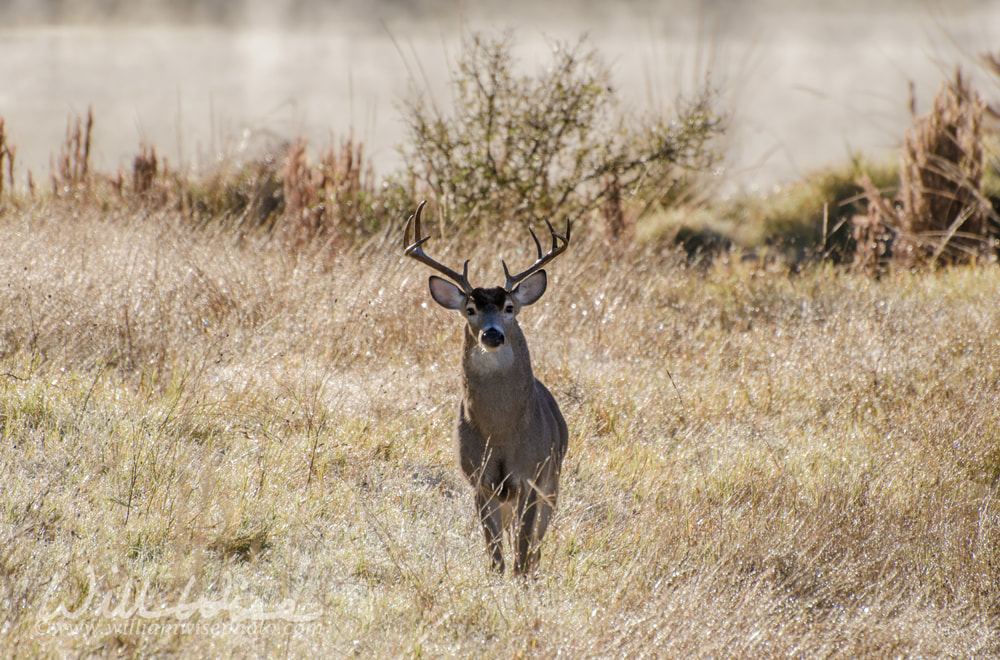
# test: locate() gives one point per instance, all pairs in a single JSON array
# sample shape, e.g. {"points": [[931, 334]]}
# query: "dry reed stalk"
{"points": [[873, 232], [346, 180], [942, 174], [150, 183], [303, 216], [323, 199], [991, 61], [144, 170], [7, 151], [74, 158], [940, 211]]}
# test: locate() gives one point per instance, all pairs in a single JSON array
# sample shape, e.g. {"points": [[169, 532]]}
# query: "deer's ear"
{"points": [[445, 293], [531, 289]]}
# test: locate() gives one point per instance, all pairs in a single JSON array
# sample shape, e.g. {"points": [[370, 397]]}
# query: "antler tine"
{"points": [[409, 221], [538, 246], [557, 249], [416, 251]]}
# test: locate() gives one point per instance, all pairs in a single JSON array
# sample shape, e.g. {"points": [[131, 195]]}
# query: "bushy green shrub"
{"points": [[553, 143]]}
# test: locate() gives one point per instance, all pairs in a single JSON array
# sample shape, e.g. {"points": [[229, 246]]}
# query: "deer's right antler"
{"points": [[416, 251]]}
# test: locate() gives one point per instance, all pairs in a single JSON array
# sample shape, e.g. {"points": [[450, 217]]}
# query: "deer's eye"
{"points": [[471, 311], [509, 309]]}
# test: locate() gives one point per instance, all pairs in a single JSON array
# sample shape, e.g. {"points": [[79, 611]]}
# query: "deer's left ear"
{"points": [[530, 289]]}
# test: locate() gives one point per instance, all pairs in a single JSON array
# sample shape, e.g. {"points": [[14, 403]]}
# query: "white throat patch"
{"points": [[485, 361]]}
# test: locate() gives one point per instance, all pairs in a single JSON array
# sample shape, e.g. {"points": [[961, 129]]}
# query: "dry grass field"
{"points": [[214, 446]]}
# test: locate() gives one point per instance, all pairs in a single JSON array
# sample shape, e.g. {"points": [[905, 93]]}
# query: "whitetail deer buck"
{"points": [[510, 435]]}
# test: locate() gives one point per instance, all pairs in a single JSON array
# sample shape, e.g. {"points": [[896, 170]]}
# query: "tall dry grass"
{"points": [[760, 464]]}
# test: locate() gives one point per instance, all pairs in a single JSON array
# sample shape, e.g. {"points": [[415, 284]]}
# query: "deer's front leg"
{"points": [[527, 508], [489, 514]]}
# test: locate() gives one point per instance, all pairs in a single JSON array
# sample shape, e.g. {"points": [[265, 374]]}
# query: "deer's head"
{"points": [[489, 312]]}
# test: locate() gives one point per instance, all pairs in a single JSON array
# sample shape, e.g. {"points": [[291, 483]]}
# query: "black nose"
{"points": [[492, 337]]}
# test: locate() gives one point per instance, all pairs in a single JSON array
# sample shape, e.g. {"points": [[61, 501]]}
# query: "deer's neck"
{"points": [[498, 385]]}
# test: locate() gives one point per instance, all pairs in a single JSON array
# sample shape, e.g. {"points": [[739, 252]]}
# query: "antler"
{"points": [[416, 251], [557, 249]]}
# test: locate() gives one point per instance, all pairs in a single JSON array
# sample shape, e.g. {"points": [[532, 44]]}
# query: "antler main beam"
{"points": [[559, 244], [416, 251]]}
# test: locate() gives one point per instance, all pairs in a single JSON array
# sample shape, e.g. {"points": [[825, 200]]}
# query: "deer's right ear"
{"points": [[445, 293]]}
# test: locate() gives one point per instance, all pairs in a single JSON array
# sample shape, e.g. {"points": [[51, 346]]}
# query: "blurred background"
{"points": [[806, 83]]}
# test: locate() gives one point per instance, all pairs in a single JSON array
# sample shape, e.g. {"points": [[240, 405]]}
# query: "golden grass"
{"points": [[760, 464]]}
